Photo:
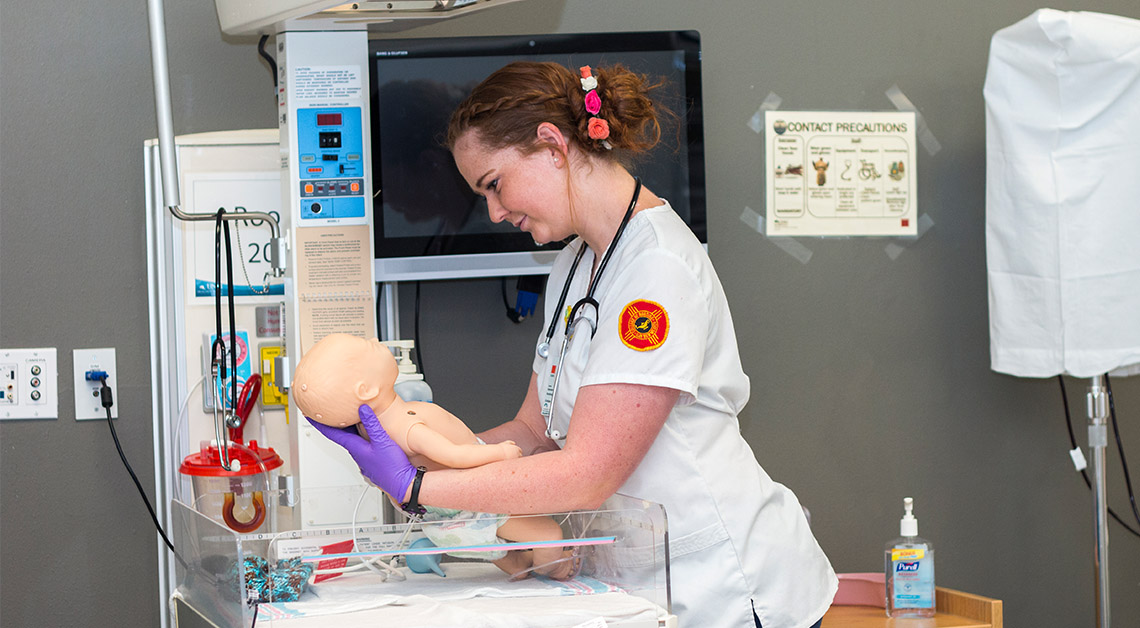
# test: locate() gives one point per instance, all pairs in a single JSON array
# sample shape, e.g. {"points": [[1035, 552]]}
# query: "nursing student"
{"points": [[644, 397]]}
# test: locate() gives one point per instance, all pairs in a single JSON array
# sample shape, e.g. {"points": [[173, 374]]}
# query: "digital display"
{"points": [[423, 206], [328, 119]]}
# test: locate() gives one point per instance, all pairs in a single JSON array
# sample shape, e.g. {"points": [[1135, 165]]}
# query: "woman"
{"points": [[645, 400]]}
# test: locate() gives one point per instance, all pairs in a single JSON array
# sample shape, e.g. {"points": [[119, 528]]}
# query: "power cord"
{"points": [[1120, 448], [106, 400], [268, 58], [1119, 445], [416, 335]]}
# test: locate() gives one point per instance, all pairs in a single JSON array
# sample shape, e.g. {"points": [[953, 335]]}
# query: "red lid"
{"points": [[208, 463]]}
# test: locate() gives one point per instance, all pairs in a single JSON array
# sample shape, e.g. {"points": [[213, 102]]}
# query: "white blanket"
{"points": [[473, 595]]}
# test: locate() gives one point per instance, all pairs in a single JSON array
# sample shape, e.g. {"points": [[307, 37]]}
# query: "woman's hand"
{"points": [[379, 458]]}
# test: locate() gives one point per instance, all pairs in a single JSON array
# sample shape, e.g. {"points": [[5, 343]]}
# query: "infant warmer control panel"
{"points": [[330, 154]]}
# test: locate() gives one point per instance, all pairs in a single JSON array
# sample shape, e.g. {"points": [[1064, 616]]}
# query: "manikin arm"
{"points": [[427, 442], [531, 438]]}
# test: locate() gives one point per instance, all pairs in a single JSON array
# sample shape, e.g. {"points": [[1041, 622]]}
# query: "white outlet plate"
{"points": [[88, 405], [29, 384]]}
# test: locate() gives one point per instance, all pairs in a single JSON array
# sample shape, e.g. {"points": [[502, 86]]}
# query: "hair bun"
{"points": [[506, 108]]}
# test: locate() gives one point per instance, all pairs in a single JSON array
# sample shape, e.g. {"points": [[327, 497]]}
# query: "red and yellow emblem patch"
{"points": [[643, 325]]}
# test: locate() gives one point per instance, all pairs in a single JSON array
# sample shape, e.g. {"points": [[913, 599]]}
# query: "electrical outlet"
{"points": [[29, 384], [88, 365], [271, 395]]}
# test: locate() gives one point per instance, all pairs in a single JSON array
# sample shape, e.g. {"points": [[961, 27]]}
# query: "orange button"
{"points": [[308, 188], [355, 186]]}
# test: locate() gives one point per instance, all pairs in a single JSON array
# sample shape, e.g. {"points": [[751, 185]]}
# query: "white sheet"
{"points": [[1062, 97], [474, 595]]}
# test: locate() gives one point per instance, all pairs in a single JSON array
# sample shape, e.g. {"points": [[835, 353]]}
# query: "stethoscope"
{"points": [[577, 315]]}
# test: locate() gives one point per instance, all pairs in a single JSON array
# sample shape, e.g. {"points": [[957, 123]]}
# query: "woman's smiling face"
{"points": [[527, 190]]}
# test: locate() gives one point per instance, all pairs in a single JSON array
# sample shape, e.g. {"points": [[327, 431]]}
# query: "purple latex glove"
{"points": [[380, 459]]}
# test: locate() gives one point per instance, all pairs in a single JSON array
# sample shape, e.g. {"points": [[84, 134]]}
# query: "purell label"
{"points": [[912, 584]]}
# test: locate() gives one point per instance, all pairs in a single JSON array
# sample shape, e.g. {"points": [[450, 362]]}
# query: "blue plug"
{"points": [[529, 289], [525, 302]]}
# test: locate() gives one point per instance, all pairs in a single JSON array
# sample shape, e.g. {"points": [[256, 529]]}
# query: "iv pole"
{"points": [[172, 201], [1097, 403]]}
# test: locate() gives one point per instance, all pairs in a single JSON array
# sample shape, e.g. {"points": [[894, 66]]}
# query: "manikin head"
{"points": [[340, 373]]}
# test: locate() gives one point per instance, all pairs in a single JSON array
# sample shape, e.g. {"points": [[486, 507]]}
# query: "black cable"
{"points": [[506, 303], [1073, 442], [419, 345], [268, 57], [214, 355], [107, 402], [511, 312], [233, 322], [1120, 448], [222, 231]]}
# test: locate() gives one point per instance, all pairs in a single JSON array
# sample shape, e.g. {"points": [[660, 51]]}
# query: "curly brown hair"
{"points": [[507, 107]]}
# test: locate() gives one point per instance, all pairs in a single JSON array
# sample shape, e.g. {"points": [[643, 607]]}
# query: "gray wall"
{"points": [[870, 377]]}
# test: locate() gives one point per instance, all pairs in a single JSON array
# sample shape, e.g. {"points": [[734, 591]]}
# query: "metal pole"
{"points": [[1098, 441], [390, 323], [166, 147], [162, 109]]}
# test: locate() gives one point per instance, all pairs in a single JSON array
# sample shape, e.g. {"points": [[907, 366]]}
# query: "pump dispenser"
{"points": [[909, 570], [410, 385]]}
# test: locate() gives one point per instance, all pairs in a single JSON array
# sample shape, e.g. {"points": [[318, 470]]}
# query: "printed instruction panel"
{"points": [[840, 173], [334, 282]]}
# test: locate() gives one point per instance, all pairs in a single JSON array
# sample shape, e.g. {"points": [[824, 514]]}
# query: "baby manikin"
{"points": [[342, 372]]}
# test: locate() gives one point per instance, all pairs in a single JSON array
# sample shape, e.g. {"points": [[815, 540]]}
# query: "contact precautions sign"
{"points": [[845, 173]]}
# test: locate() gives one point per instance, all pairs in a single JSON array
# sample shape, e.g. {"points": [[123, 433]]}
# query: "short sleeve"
{"points": [[652, 326]]}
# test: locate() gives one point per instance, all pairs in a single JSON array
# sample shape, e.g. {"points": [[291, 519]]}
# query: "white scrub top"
{"points": [[737, 539]]}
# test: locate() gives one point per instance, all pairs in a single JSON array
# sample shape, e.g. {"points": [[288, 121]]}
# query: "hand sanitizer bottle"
{"points": [[910, 570], [410, 385]]}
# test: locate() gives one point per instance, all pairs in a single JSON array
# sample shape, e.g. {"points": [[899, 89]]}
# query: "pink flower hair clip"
{"points": [[597, 128]]}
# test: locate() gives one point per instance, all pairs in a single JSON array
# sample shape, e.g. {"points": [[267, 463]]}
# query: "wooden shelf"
{"points": [[953, 609]]}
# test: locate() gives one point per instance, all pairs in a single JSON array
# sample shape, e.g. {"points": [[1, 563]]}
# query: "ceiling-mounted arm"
{"points": [[267, 17]]}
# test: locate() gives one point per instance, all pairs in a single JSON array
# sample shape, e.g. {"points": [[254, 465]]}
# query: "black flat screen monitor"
{"points": [[428, 224]]}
